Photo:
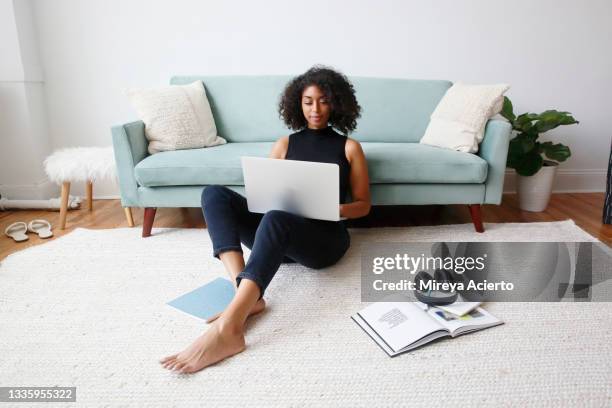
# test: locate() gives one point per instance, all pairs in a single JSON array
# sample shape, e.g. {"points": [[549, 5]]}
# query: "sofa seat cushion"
{"points": [[388, 163], [417, 163], [198, 167]]}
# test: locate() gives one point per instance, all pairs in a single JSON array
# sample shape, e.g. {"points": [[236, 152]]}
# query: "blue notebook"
{"points": [[207, 300]]}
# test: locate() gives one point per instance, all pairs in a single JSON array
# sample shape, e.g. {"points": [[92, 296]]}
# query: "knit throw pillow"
{"points": [[459, 120], [176, 117]]}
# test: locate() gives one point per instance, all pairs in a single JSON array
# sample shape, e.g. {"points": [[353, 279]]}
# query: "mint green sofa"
{"points": [[395, 114]]}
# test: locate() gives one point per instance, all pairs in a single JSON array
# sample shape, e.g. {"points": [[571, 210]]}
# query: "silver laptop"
{"points": [[309, 189]]}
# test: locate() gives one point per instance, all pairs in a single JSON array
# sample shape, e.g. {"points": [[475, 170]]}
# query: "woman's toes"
{"points": [[212, 346], [168, 358], [179, 366], [187, 369], [173, 364]]}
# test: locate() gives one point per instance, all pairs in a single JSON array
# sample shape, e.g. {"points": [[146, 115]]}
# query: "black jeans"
{"points": [[273, 237]]}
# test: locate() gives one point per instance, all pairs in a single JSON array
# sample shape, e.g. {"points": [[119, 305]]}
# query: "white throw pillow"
{"points": [[176, 117], [459, 120]]}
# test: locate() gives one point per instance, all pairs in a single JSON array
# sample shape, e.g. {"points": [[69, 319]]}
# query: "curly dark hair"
{"points": [[337, 89]]}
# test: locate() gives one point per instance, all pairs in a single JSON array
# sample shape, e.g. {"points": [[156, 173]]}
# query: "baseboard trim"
{"points": [[567, 181], [107, 197], [43, 190]]}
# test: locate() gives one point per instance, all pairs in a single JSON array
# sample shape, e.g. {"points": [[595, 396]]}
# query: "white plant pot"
{"points": [[534, 191]]}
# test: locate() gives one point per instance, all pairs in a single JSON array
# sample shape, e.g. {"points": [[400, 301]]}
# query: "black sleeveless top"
{"points": [[321, 145]]}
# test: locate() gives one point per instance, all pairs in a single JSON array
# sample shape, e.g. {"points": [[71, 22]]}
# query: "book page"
{"points": [[459, 308], [476, 319], [357, 319], [399, 324]]}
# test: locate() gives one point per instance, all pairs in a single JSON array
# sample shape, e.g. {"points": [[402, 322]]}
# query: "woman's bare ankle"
{"points": [[229, 326], [258, 308]]}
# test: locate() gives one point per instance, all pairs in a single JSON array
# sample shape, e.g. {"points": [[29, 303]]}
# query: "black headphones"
{"points": [[434, 297]]}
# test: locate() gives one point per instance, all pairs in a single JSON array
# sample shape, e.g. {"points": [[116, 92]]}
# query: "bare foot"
{"points": [[257, 308], [216, 344]]}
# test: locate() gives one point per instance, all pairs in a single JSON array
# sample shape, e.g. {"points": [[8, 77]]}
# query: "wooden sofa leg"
{"points": [[147, 223], [476, 217], [128, 216]]}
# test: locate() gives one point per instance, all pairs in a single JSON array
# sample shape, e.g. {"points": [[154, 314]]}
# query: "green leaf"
{"points": [[532, 133], [522, 143], [528, 164], [526, 117], [546, 125], [558, 152], [515, 151], [547, 114], [569, 120], [527, 144], [519, 146], [508, 110], [525, 153], [554, 114], [528, 127], [524, 123], [551, 119]]}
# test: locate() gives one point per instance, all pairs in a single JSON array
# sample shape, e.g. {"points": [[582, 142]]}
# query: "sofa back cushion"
{"points": [[245, 108]]}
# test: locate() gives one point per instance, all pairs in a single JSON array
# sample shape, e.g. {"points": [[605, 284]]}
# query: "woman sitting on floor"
{"points": [[314, 104]]}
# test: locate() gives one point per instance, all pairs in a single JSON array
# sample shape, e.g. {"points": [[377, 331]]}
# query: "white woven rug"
{"points": [[88, 310]]}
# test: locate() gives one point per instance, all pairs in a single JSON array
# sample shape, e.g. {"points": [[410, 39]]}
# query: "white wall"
{"points": [[24, 139], [11, 68], [554, 53]]}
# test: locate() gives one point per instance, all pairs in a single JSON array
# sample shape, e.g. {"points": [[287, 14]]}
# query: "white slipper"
{"points": [[41, 227], [17, 231]]}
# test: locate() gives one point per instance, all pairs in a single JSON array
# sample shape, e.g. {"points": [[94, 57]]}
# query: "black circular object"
{"points": [[434, 297]]}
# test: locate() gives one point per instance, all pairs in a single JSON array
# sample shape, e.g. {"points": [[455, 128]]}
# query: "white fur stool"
{"points": [[84, 164]]}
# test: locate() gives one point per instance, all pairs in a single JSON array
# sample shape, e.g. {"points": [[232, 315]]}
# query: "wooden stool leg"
{"points": [[90, 195], [476, 217], [64, 204], [147, 223], [128, 215]]}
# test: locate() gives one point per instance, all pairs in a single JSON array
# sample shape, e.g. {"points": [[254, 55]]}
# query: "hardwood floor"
{"points": [[584, 208]]}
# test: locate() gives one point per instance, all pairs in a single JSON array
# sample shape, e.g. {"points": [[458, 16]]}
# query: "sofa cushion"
{"points": [[393, 110], [176, 117], [418, 163], [388, 163], [460, 118], [198, 167]]}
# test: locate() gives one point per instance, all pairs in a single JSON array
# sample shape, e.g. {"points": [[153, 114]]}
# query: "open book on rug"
{"points": [[398, 327]]}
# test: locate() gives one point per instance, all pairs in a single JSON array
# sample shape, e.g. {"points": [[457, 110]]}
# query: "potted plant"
{"points": [[535, 162]]}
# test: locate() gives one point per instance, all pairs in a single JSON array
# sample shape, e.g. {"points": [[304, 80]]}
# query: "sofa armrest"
{"points": [[130, 147], [494, 149]]}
